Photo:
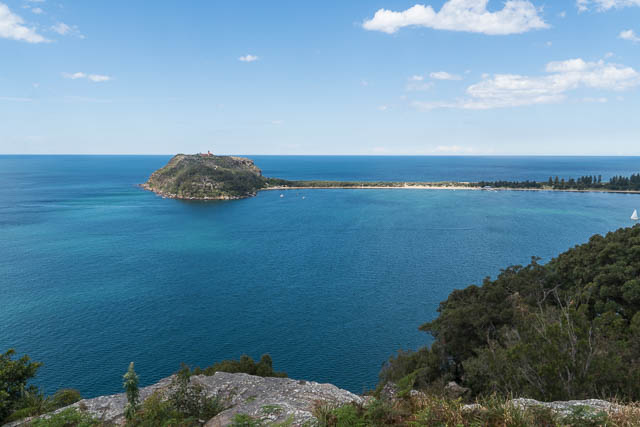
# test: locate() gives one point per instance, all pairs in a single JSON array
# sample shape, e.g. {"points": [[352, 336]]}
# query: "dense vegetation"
{"points": [[199, 177], [569, 329], [616, 183]]}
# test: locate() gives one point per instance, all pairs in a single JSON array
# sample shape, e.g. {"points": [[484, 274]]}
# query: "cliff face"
{"points": [[206, 178]]}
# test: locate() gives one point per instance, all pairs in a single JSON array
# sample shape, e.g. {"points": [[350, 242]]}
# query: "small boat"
{"points": [[634, 215]]}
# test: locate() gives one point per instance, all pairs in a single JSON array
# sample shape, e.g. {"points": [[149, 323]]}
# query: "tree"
{"points": [[14, 375], [133, 393]]}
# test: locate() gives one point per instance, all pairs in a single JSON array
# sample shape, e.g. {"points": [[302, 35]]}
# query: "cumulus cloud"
{"points": [[12, 27], [604, 5], [443, 75], [97, 78], [513, 90], [629, 35], [517, 16], [248, 58]]}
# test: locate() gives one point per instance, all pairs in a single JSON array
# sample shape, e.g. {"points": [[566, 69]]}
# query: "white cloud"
{"points": [[37, 10], [416, 83], [600, 100], [383, 107], [512, 90], [97, 78], [74, 76], [629, 35], [443, 75], [277, 122], [517, 16], [248, 58], [12, 27], [61, 28], [562, 14], [64, 30], [603, 5]]}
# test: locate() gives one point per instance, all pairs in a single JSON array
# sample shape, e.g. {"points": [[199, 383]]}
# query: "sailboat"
{"points": [[634, 215]]}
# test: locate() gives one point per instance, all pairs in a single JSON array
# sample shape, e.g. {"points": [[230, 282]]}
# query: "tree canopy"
{"points": [[569, 329]]}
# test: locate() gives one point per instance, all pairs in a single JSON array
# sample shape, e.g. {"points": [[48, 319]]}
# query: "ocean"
{"points": [[96, 273]]}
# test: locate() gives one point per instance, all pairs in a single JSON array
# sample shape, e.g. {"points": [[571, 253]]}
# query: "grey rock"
{"points": [[108, 409], [567, 407], [454, 390], [271, 400]]}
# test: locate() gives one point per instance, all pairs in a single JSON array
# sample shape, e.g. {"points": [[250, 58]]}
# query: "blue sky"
{"points": [[334, 77]]}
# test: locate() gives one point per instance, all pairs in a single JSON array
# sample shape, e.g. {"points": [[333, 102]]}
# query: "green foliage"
{"points": [[133, 393], [186, 405], [244, 420], [569, 329], [616, 183], [432, 410], [193, 176], [67, 418], [246, 365], [65, 397], [14, 375]]}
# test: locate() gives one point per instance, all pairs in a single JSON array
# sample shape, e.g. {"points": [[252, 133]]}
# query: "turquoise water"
{"points": [[95, 273]]}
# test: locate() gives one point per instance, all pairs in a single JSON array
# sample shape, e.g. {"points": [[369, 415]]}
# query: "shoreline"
{"points": [[448, 187], [404, 186]]}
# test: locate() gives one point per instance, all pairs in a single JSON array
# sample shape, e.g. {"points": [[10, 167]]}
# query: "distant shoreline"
{"points": [[435, 186]]}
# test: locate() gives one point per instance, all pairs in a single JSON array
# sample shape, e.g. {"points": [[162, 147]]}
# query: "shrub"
{"points": [[14, 375], [67, 418], [246, 365]]}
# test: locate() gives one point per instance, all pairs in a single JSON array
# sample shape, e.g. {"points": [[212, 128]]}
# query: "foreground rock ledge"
{"points": [[273, 400], [281, 400]]}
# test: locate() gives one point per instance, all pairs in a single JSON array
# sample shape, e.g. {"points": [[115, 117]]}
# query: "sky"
{"points": [[366, 77]]}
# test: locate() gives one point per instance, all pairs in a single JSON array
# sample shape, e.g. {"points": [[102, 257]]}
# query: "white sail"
{"points": [[634, 216]]}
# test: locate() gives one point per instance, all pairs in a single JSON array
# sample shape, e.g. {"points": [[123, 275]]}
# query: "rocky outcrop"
{"points": [[206, 177], [270, 400]]}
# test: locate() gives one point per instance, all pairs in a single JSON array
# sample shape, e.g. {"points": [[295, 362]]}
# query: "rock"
{"points": [[454, 390], [567, 407], [389, 392], [266, 399], [108, 409], [272, 400]]}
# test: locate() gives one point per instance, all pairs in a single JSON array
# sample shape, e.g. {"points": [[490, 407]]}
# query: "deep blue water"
{"points": [[95, 273]]}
